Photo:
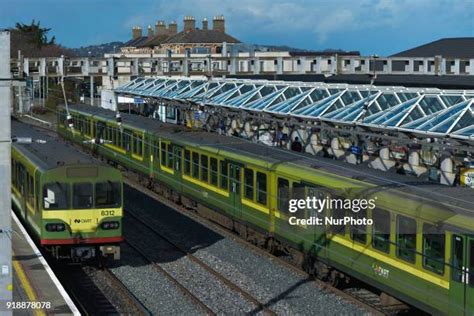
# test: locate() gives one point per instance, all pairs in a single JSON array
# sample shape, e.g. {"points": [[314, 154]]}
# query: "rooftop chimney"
{"points": [[150, 32], [173, 28], [160, 28], [136, 32], [189, 23], [218, 23], [205, 24]]}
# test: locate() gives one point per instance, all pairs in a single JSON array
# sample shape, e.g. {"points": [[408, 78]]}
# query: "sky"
{"points": [[381, 27]]}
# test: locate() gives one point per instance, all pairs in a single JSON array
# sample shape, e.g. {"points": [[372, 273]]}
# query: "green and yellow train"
{"points": [[71, 204], [419, 249]]}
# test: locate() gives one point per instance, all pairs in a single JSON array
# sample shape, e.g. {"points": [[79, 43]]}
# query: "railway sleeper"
{"points": [[298, 258]]}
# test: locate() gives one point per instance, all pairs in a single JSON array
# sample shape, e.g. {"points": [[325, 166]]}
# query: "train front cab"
{"points": [[82, 212], [462, 275]]}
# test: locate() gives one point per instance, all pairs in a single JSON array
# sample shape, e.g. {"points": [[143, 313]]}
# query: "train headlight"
{"points": [[110, 225], [55, 227]]}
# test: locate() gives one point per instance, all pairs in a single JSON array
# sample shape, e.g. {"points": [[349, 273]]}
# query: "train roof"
{"points": [[460, 198], [48, 155]]}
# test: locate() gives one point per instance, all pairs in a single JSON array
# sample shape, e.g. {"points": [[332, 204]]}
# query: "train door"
{"points": [[22, 186], [318, 231], [462, 276], [235, 189], [470, 278], [177, 154]]}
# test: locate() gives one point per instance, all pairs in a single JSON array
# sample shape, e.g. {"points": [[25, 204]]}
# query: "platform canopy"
{"points": [[427, 111]]}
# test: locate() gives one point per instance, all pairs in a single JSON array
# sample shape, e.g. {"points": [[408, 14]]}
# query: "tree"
{"points": [[38, 35]]}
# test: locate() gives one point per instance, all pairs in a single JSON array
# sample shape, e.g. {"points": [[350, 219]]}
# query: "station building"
{"points": [[164, 39]]}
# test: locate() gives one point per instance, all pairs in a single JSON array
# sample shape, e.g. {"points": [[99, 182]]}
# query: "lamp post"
{"points": [[374, 63]]}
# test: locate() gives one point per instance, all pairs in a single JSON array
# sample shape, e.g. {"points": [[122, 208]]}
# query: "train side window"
{"points": [[195, 169], [140, 145], [126, 140], [406, 238], [224, 175], [137, 144], [261, 188], [107, 194], [14, 173], [82, 195], [359, 232], [433, 249], [163, 154], [338, 215], [457, 259], [283, 193], [31, 190], [381, 230], [214, 171], [56, 196], [204, 168], [169, 163], [156, 152], [187, 162], [248, 183]]}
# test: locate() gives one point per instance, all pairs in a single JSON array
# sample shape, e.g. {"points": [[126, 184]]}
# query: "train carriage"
{"points": [[71, 204], [420, 248]]}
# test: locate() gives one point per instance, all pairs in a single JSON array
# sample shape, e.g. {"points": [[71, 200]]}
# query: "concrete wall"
{"points": [[5, 172]]}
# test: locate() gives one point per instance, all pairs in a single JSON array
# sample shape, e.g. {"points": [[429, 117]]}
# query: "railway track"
{"points": [[258, 306], [90, 297], [360, 297]]}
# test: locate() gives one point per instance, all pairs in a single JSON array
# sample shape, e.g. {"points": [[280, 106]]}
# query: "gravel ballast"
{"points": [[278, 287]]}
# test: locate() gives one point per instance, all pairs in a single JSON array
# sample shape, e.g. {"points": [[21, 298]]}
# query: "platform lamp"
{"points": [[374, 74]]}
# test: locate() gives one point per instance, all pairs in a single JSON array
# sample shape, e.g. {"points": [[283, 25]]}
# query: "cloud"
{"points": [[317, 19]]}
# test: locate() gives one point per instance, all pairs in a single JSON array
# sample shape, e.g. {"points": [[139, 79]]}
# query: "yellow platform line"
{"points": [[30, 293]]}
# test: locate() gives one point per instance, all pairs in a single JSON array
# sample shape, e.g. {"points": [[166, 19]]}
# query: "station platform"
{"points": [[34, 281]]}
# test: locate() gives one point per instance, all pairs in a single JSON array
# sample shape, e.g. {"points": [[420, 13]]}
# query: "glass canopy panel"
{"points": [[246, 88], [438, 118], [196, 89], [380, 117], [334, 91], [350, 97], [315, 109], [291, 92], [387, 100], [266, 90], [431, 104], [466, 120], [242, 99], [467, 132], [262, 103], [405, 96], [318, 94], [221, 97], [451, 99], [222, 89], [445, 126], [351, 112], [287, 105]]}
